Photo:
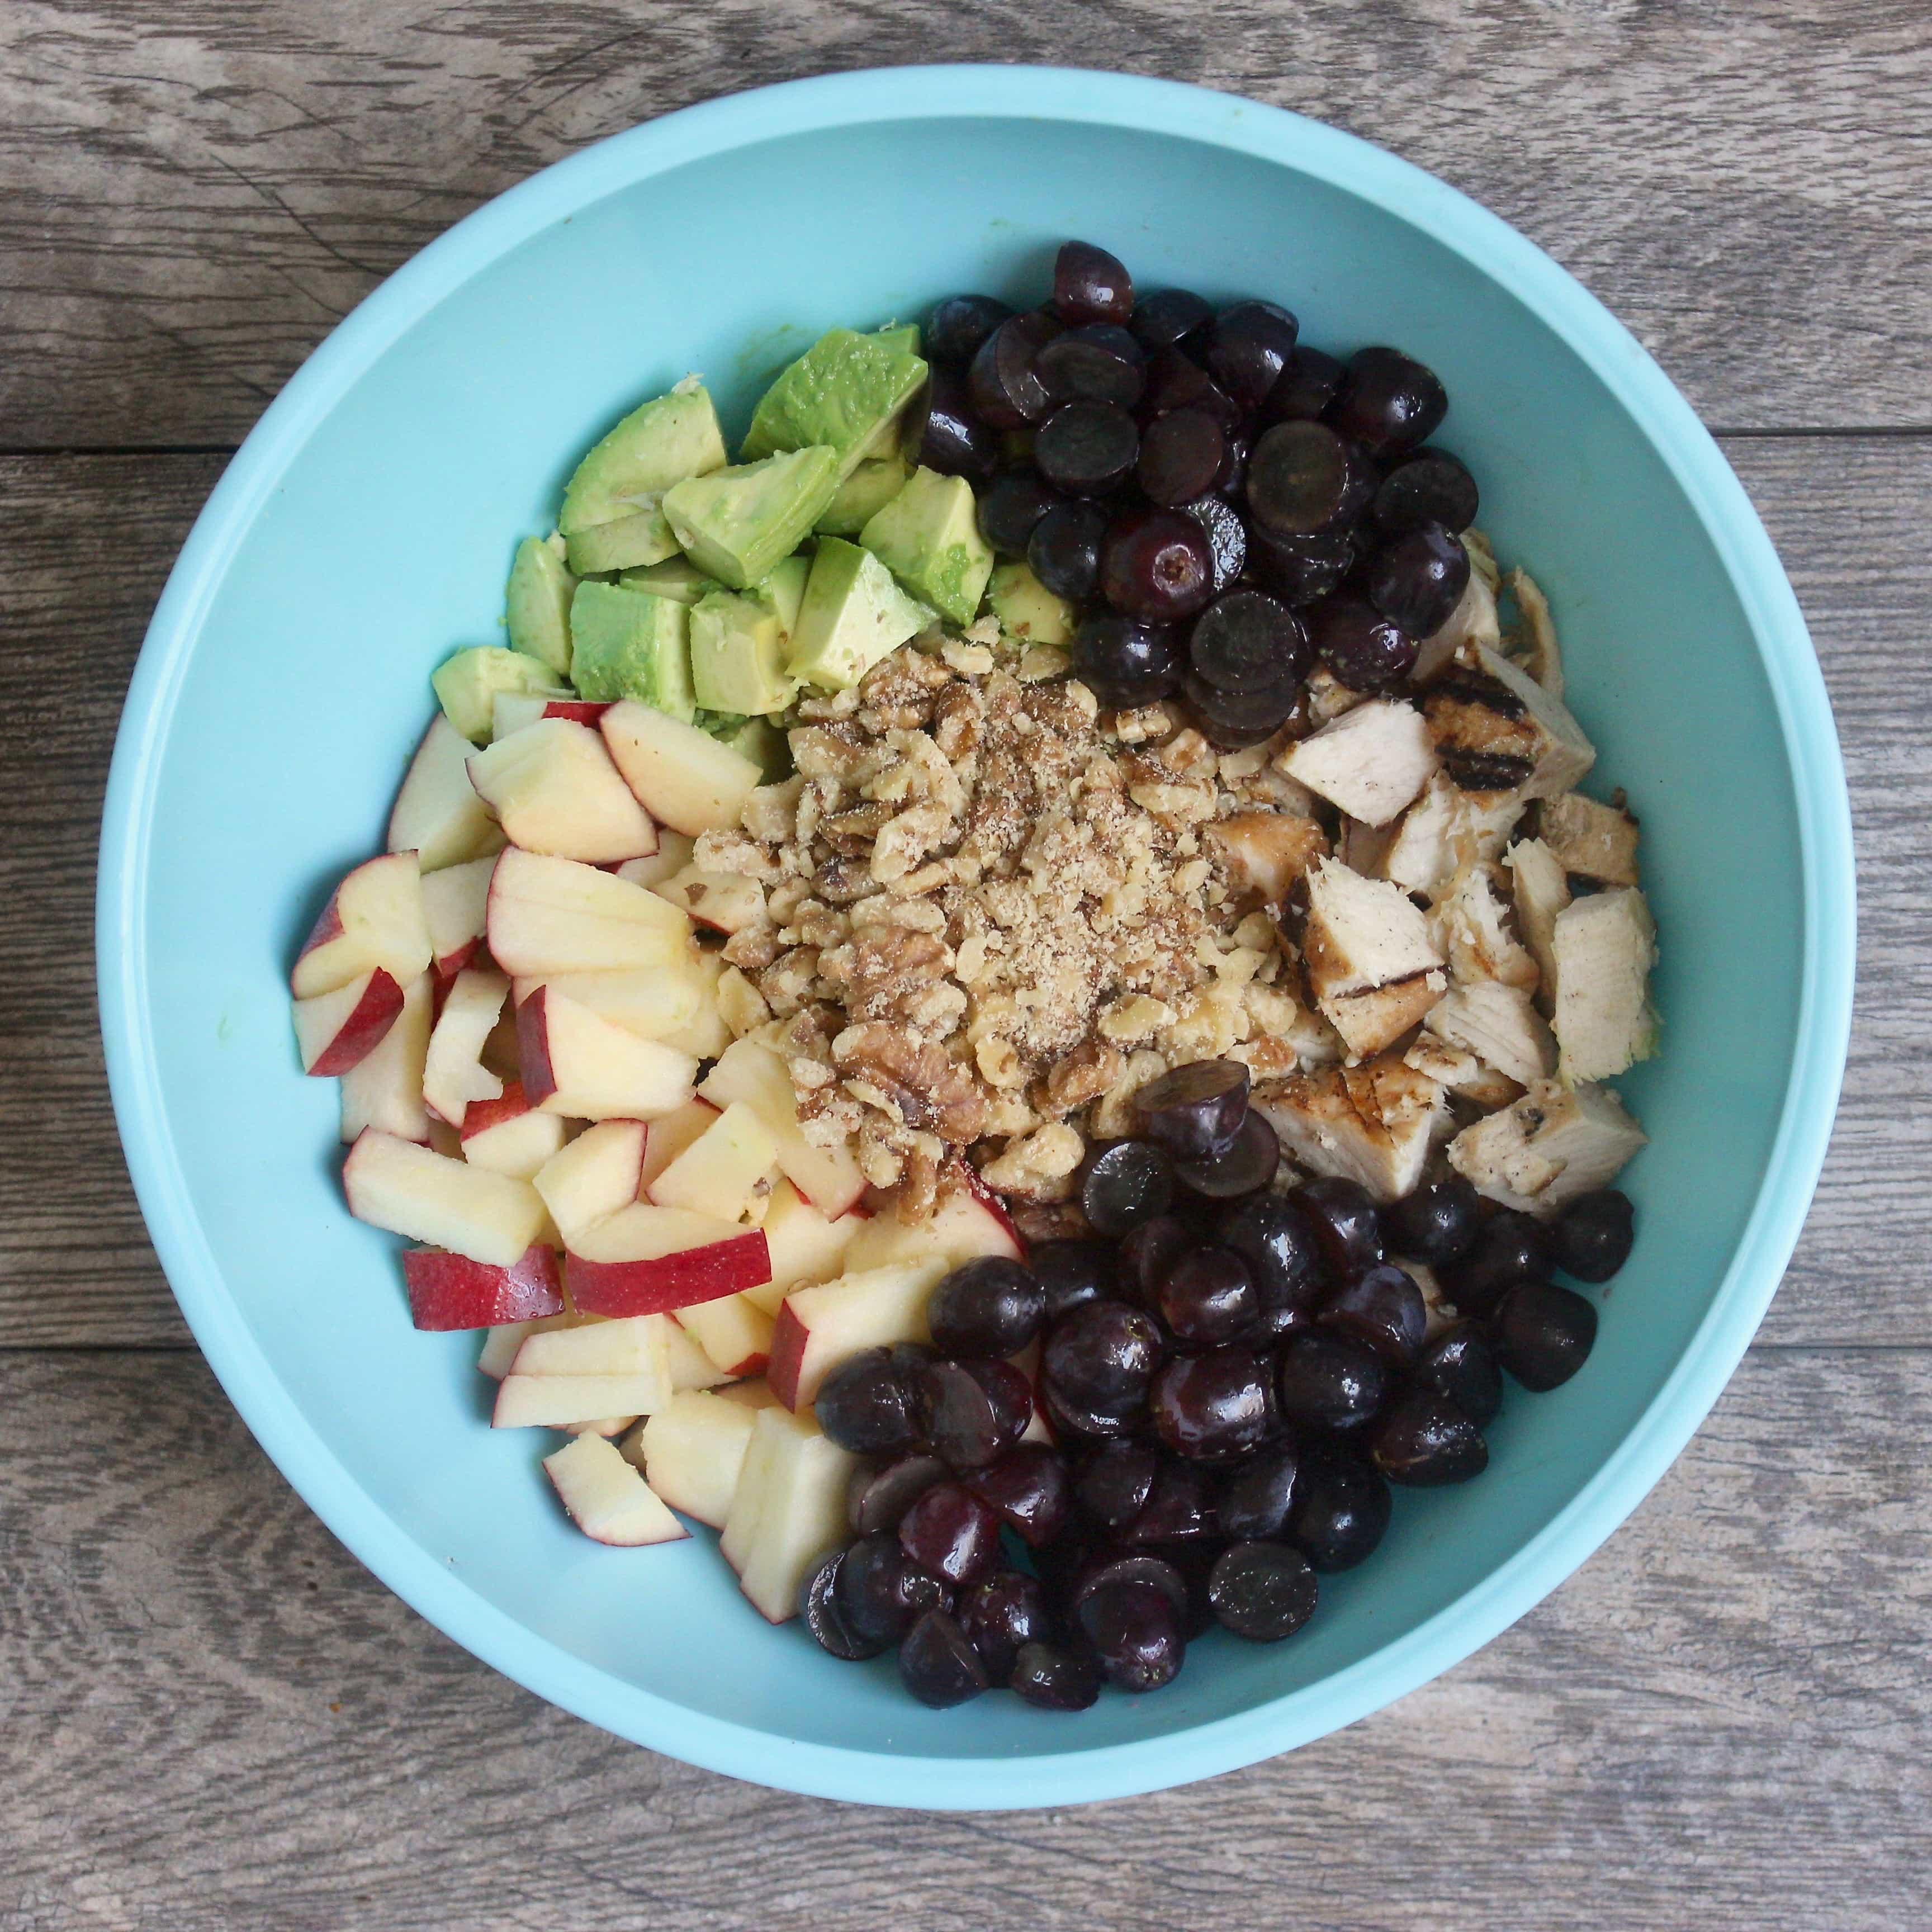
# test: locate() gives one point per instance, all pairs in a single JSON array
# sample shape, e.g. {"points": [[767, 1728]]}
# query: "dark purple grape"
{"points": [[1233, 720], [1136, 1634], [1382, 1308], [1347, 1223], [1146, 1254], [1342, 1509], [1010, 508], [1417, 580], [1543, 1334], [1087, 448], [1247, 640], [1180, 1505], [1052, 1678], [954, 441], [1213, 1406], [1181, 457], [1249, 1165], [1298, 570], [958, 326], [1208, 1297], [1110, 1566], [1430, 486], [1004, 383], [1258, 1491], [1087, 1421], [990, 1306], [818, 1605], [1167, 317], [1388, 402], [876, 1497], [1509, 1249], [1327, 1382], [1195, 1111], [1064, 550], [1593, 1236], [1460, 1364], [1102, 1356], [950, 1533], [1090, 285], [1125, 1184], [1358, 644], [1101, 363], [870, 1405], [1114, 1482], [1072, 1272], [1125, 662], [973, 1416], [1227, 538], [879, 1592], [1279, 1243], [938, 1663], [1263, 1591], [1029, 1488], [999, 1615], [1175, 382], [1435, 1223], [1304, 480], [1248, 347], [1156, 565], [1306, 388], [1425, 1441], [1232, 480]]}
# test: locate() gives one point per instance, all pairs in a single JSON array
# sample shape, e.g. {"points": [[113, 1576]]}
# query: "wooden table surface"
{"points": [[211, 1718]]}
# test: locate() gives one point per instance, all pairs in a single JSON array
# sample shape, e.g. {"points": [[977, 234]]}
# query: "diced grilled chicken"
{"points": [[1500, 1025], [1497, 729], [1362, 848], [1548, 1147], [1473, 925], [1326, 697], [1538, 652], [1446, 829], [1370, 762], [1593, 841], [1370, 1124], [1473, 620], [1460, 1071], [1362, 933], [1604, 947], [1265, 852], [1540, 891], [1369, 1022]]}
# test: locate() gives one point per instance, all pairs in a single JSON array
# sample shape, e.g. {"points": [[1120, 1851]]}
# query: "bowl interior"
{"points": [[384, 543]]}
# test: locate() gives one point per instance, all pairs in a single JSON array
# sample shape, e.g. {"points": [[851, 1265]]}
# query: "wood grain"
{"points": [[215, 1721], [191, 197]]}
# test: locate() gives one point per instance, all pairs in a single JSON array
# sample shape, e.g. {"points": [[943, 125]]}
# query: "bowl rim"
{"points": [[1068, 95]]}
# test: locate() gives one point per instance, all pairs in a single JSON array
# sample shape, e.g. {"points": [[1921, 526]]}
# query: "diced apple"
{"points": [[606, 1498], [733, 1331], [559, 1401], [754, 1394], [672, 855], [961, 1228], [453, 1074], [510, 711], [690, 1367], [644, 1260], [456, 903], [788, 1510], [804, 1247], [384, 1088], [725, 902], [335, 1031], [413, 1190], [705, 1033], [437, 814], [594, 1176], [635, 1347], [508, 1136], [604, 1425], [719, 1173], [554, 790], [749, 1071], [501, 1344], [550, 916], [374, 918], [818, 1328], [691, 1452], [656, 1002], [683, 777], [449, 1290], [576, 1064], [667, 1136]]}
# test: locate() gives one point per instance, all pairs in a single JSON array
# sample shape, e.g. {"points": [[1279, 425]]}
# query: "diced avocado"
{"points": [[738, 523], [761, 741], [630, 643], [899, 335], [852, 615], [677, 577], [928, 537], [844, 390], [537, 602], [628, 544], [1026, 608], [783, 590], [737, 655], [863, 494], [466, 685], [616, 491]]}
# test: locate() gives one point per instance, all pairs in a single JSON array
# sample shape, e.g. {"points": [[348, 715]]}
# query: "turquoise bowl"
{"points": [[365, 529]]}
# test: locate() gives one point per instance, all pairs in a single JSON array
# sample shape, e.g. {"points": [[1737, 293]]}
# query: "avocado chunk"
{"points": [[677, 577], [928, 537], [610, 519], [466, 685], [1026, 608], [537, 604], [902, 336], [737, 655], [761, 741], [852, 615], [630, 643], [863, 494], [845, 390], [783, 590], [737, 523]]}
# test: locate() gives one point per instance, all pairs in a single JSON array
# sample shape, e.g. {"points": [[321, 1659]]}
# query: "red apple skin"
{"points": [[328, 926], [786, 1361], [482, 1113], [451, 963], [579, 711], [533, 1048], [669, 1282], [449, 1291], [752, 1365], [358, 1035]]}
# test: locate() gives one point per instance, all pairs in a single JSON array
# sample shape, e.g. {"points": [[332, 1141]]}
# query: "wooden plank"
{"points": [[75, 1268], [217, 1722], [190, 196]]}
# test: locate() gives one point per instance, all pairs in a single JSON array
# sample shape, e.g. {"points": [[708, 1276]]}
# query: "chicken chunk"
{"points": [[1369, 1022], [1371, 1124], [1464, 1075], [1552, 1145], [1474, 621], [1370, 762], [1446, 829], [1540, 891], [1265, 852], [1500, 1025], [1473, 928], [1604, 947], [1497, 729], [1593, 842], [1362, 933], [1537, 650]]}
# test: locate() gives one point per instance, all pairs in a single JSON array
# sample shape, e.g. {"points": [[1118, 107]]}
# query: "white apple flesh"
{"points": [[508, 1136], [682, 776], [667, 1136], [725, 902], [551, 916], [442, 1203], [654, 1004], [727, 1167], [561, 1402], [691, 1452], [375, 919], [749, 1071], [672, 855], [384, 1088], [453, 1074], [606, 1498], [576, 1064], [733, 1331], [788, 1509], [804, 1245], [818, 1328], [594, 1176], [638, 1346], [456, 903], [335, 1031], [554, 790], [437, 814]]}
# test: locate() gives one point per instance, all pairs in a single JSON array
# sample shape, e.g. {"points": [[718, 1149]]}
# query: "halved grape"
{"points": [[958, 326], [1087, 448], [1100, 363], [1303, 479], [1247, 640], [1090, 285]]}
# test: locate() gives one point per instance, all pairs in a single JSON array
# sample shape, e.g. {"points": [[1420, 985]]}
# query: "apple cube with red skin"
{"points": [[582, 1067], [960, 1228], [672, 855], [690, 1367], [374, 918], [512, 710], [501, 1344], [705, 1034], [549, 916], [644, 1260], [723, 1171], [638, 1346], [691, 1452], [749, 1071], [554, 790], [787, 1510], [508, 1136], [449, 1290], [818, 1328], [657, 1002], [453, 1074], [437, 814], [383, 1090], [594, 1176], [335, 1031], [563, 1401], [456, 903], [606, 1498], [683, 777], [805, 1246], [442, 1203], [725, 902], [667, 1136], [733, 1331]]}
